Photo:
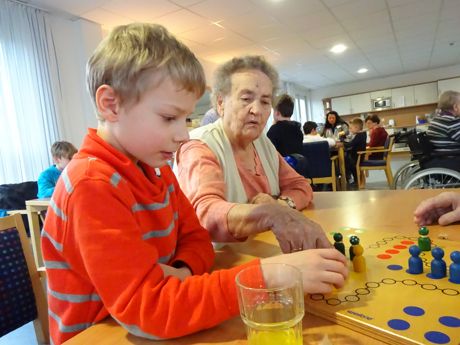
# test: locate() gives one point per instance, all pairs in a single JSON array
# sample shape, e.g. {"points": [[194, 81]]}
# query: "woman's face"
{"points": [[246, 108], [331, 119], [370, 124]]}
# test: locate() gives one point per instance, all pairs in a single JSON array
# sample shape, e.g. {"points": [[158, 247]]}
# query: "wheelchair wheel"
{"points": [[434, 178], [403, 173]]}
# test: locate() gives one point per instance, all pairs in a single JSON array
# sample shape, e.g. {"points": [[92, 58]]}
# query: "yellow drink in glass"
{"points": [[274, 323], [271, 304]]}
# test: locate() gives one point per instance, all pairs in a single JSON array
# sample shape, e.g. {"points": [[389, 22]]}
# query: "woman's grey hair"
{"points": [[448, 99], [222, 76]]}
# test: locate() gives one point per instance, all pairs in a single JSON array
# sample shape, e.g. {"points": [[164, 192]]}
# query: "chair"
{"points": [[363, 165], [13, 199], [22, 294], [320, 165]]}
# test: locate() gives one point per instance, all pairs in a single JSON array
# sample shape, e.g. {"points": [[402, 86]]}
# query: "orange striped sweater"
{"points": [[106, 230]]}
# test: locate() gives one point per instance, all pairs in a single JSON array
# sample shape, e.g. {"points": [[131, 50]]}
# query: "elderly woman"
{"points": [[237, 182], [378, 135]]}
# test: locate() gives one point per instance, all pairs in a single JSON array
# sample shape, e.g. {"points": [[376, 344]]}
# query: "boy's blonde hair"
{"points": [[222, 76], [448, 99], [129, 55], [357, 122], [63, 149]]}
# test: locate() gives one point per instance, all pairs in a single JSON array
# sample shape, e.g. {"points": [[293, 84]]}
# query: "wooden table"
{"points": [[34, 208], [389, 211]]}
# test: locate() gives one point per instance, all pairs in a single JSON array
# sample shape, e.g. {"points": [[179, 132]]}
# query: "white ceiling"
{"points": [[386, 36]]}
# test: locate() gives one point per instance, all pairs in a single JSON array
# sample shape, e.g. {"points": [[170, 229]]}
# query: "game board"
{"points": [[389, 304]]}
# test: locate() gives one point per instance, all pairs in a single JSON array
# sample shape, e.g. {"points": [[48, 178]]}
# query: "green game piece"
{"points": [[338, 244], [423, 231], [354, 240], [424, 241]]}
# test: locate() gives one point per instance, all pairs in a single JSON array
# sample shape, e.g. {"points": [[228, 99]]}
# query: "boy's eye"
{"points": [[168, 118]]}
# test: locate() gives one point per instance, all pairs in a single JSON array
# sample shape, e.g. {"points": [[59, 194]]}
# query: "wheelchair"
{"points": [[428, 169]]}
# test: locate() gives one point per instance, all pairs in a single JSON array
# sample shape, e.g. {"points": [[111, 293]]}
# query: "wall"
{"points": [[378, 84], [74, 42]]}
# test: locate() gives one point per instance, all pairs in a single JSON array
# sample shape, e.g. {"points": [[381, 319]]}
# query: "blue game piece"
{"points": [[415, 262], [438, 265], [454, 268]]}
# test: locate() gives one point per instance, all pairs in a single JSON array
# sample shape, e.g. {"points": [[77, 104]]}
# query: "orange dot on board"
{"points": [[407, 242], [398, 246], [384, 256], [392, 251]]}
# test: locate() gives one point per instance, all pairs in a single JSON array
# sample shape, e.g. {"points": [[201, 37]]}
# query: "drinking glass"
{"points": [[271, 304]]}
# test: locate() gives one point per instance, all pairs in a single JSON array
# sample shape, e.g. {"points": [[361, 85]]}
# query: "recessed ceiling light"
{"points": [[338, 48], [362, 70]]}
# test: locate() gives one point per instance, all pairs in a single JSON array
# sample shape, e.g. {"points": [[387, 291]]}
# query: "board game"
{"points": [[388, 303]]}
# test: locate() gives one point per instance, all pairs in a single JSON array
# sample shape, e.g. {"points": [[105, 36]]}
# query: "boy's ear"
{"points": [[107, 103]]}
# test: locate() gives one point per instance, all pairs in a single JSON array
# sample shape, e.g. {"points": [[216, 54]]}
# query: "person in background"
{"points": [[444, 131], [443, 208], [237, 182], [285, 134], [352, 147], [334, 126], [311, 134], [62, 152], [209, 117], [378, 135], [120, 238]]}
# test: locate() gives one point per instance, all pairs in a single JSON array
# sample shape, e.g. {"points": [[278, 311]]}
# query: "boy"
{"points": [[358, 143], [121, 238], [311, 134], [62, 152]]}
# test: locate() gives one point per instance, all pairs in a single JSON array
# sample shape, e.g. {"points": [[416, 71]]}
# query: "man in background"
{"points": [[285, 134]]}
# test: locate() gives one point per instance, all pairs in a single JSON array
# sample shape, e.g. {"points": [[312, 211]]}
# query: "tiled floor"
{"points": [[377, 178], [22, 336]]}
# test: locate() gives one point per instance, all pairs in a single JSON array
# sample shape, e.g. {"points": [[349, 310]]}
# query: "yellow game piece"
{"points": [[359, 263]]}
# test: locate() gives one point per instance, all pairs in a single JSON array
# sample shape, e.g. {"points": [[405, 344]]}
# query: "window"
{"points": [[28, 102]]}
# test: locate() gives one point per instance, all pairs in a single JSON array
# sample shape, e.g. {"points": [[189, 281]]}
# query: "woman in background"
{"points": [[334, 126], [378, 135]]}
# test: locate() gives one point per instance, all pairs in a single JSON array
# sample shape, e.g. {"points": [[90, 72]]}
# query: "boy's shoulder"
{"points": [[87, 167]]}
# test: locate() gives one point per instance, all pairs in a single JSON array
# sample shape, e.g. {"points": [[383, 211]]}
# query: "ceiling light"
{"points": [[338, 48], [362, 70]]}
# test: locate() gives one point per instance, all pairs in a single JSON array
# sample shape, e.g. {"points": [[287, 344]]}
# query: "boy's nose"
{"points": [[182, 134]]}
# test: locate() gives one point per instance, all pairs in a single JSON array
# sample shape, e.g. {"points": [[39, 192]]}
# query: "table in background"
{"points": [[34, 208], [386, 210], [341, 162]]}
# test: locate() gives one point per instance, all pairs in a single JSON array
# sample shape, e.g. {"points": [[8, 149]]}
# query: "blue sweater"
{"points": [[47, 181]]}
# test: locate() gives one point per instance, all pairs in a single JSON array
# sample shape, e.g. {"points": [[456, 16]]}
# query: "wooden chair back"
{"points": [[23, 296]]}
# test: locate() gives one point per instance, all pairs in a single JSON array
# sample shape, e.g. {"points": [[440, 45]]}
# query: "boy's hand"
{"points": [[321, 269]]}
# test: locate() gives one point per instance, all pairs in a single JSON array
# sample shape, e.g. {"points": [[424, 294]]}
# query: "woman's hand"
{"points": [[263, 198], [296, 232], [321, 269]]}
